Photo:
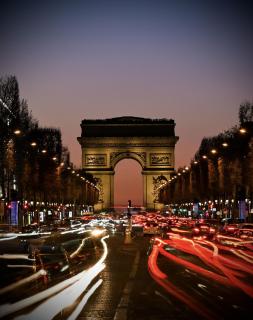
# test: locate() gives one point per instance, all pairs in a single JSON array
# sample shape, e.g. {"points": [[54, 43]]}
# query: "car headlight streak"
{"points": [[60, 296]]}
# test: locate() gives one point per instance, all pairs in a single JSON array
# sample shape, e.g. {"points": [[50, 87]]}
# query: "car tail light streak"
{"points": [[233, 271]]}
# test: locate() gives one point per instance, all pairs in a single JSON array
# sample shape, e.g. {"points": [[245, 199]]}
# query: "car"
{"points": [[30, 228], [54, 260], [245, 231], [232, 221], [230, 229], [204, 230], [246, 226], [15, 261], [183, 230], [245, 234], [137, 230], [151, 228]]}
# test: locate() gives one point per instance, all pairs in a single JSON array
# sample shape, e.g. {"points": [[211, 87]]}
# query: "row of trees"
{"points": [[34, 166], [222, 168]]}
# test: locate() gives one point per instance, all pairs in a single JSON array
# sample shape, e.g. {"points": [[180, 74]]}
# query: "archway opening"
{"points": [[128, 183]]}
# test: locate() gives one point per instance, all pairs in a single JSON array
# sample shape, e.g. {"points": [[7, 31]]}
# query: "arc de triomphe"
{"points": [[151, 142]]}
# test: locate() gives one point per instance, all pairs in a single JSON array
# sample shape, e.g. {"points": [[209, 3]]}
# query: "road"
{"points": [[129, 292], [174, 278]]}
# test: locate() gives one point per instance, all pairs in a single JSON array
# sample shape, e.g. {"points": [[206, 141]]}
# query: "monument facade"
{"points": [[151, 142]]}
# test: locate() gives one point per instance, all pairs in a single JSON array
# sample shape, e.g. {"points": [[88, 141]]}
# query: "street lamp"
{"points": [[17, 132]]}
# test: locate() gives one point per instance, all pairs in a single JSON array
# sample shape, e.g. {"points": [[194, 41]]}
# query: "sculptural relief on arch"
{"points": [[151, 142]]}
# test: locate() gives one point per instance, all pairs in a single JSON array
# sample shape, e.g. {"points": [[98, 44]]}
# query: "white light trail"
{"points": [[51, 307], [31, 278], [74, 231], [15, 256], [73, 254], [69, 289], [83, 302], [20, 266], [17, 306], [8, 238]]}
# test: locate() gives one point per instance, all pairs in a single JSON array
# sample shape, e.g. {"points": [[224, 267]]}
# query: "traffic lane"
{"points": [[205, 296], [148, 300], [60, 299], [47, 267], [104, 302]]}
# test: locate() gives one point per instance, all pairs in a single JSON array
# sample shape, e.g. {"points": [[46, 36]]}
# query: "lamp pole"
{"points": [[128, 231]]}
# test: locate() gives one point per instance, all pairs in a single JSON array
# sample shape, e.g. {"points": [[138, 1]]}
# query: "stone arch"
{"points": [[115, 157], [151, 142]]}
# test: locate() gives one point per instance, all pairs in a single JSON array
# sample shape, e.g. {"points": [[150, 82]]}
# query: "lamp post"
{"points": [[128, 231]]}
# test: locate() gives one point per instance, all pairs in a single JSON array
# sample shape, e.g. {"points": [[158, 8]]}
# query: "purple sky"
{"points": [[186, 60]]}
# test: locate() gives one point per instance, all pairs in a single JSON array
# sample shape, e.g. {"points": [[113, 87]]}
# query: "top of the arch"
{"points": [[128, 126]]}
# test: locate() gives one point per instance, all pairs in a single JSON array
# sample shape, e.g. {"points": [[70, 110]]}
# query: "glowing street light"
{"points": [[225, 144], [213, 151], [33, 144], [17, 132], [242, 130]]}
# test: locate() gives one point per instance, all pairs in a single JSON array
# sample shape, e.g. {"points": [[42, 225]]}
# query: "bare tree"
{"points": [[246, 112]]}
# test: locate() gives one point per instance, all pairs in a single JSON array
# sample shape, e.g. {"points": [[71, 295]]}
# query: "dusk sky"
{"points": [[191, 61]]}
